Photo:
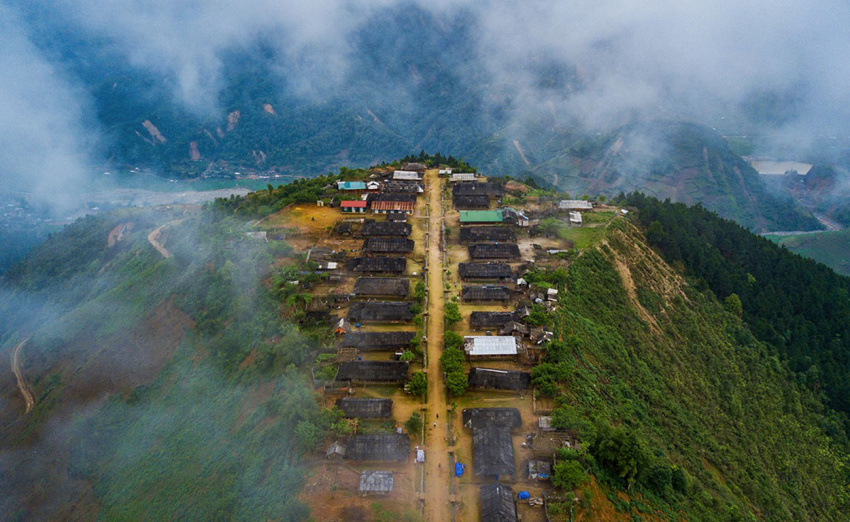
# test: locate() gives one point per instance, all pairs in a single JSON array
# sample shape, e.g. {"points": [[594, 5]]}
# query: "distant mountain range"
{"points": [[416, 84]]}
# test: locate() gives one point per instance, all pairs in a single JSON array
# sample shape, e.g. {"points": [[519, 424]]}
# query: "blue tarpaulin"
{"points": [[459, 469], [523, 495]]}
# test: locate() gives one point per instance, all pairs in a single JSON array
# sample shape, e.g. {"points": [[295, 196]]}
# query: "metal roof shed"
{"points": [[497, 503], [574, 204], [490, 346], [380, 482]]}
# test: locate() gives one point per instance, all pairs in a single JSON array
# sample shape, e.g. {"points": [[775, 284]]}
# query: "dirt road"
{"points": [[153, 238], [29, 398], [437, 467]]}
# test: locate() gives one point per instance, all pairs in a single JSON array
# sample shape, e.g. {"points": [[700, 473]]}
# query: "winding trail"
{"points": [[29, 398], [153, 238], [437, 463]]}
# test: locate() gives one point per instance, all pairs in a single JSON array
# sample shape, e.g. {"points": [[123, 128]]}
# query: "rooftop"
{"points": [[494, 251], [487, 233], [485, 293], [365, 408], [382, 286], [395, 229], [373, 371], [497, 503], [494, 379], [492, 451], [351, 185], [379, 446], [484, 271], [376, 482], [491, 319], [480, 216], [479, 345], [398, 245], [380, 311], [377, 341], [353, 204], [395, 265], [574, 204]]}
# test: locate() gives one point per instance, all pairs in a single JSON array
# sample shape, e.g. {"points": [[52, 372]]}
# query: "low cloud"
{"points": [[46, 135]]}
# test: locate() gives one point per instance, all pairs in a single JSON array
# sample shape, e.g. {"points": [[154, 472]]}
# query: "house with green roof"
{"points": [[480, 216]]}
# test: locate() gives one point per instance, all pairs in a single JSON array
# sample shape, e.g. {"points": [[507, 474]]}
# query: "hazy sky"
{"points": [[670, 58]]}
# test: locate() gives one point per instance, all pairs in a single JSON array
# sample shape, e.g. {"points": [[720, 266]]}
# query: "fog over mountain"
{"points": [[775, 68]]}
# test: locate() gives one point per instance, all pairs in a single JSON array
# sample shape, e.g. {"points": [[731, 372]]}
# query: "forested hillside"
{"points": [[678, 404], [796, 305]]}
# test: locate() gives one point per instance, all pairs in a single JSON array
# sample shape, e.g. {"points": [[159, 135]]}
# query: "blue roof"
{"points": [[351, 185]]}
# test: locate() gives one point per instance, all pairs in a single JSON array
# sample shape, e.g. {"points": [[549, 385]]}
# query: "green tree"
{"points": [[418, 384], [452, 314], [457, 383], [733, 305], [307, 434], [452, 340], [568, 475], [413, 425]]}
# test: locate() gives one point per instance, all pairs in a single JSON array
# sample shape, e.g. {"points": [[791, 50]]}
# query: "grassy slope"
{"points": [[829, 248], [667, 361]]}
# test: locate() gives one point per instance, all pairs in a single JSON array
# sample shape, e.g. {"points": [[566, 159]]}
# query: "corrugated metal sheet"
{"points": [[478, 345]]}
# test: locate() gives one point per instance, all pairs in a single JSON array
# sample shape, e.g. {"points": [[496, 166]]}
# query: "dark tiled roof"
{"points": [[406, 198], [382, 286], [491, 378], [380, 446], [482, 417], [494, 251], [380, 311], [492, 451], [497, 503], [485, 293], [471, 202], [398, 245], [478, 189], [491, 319], [379, 264], [377, 341], [373, 371], [484, 271], [365, 408], [492, 233], [390, 229]]}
